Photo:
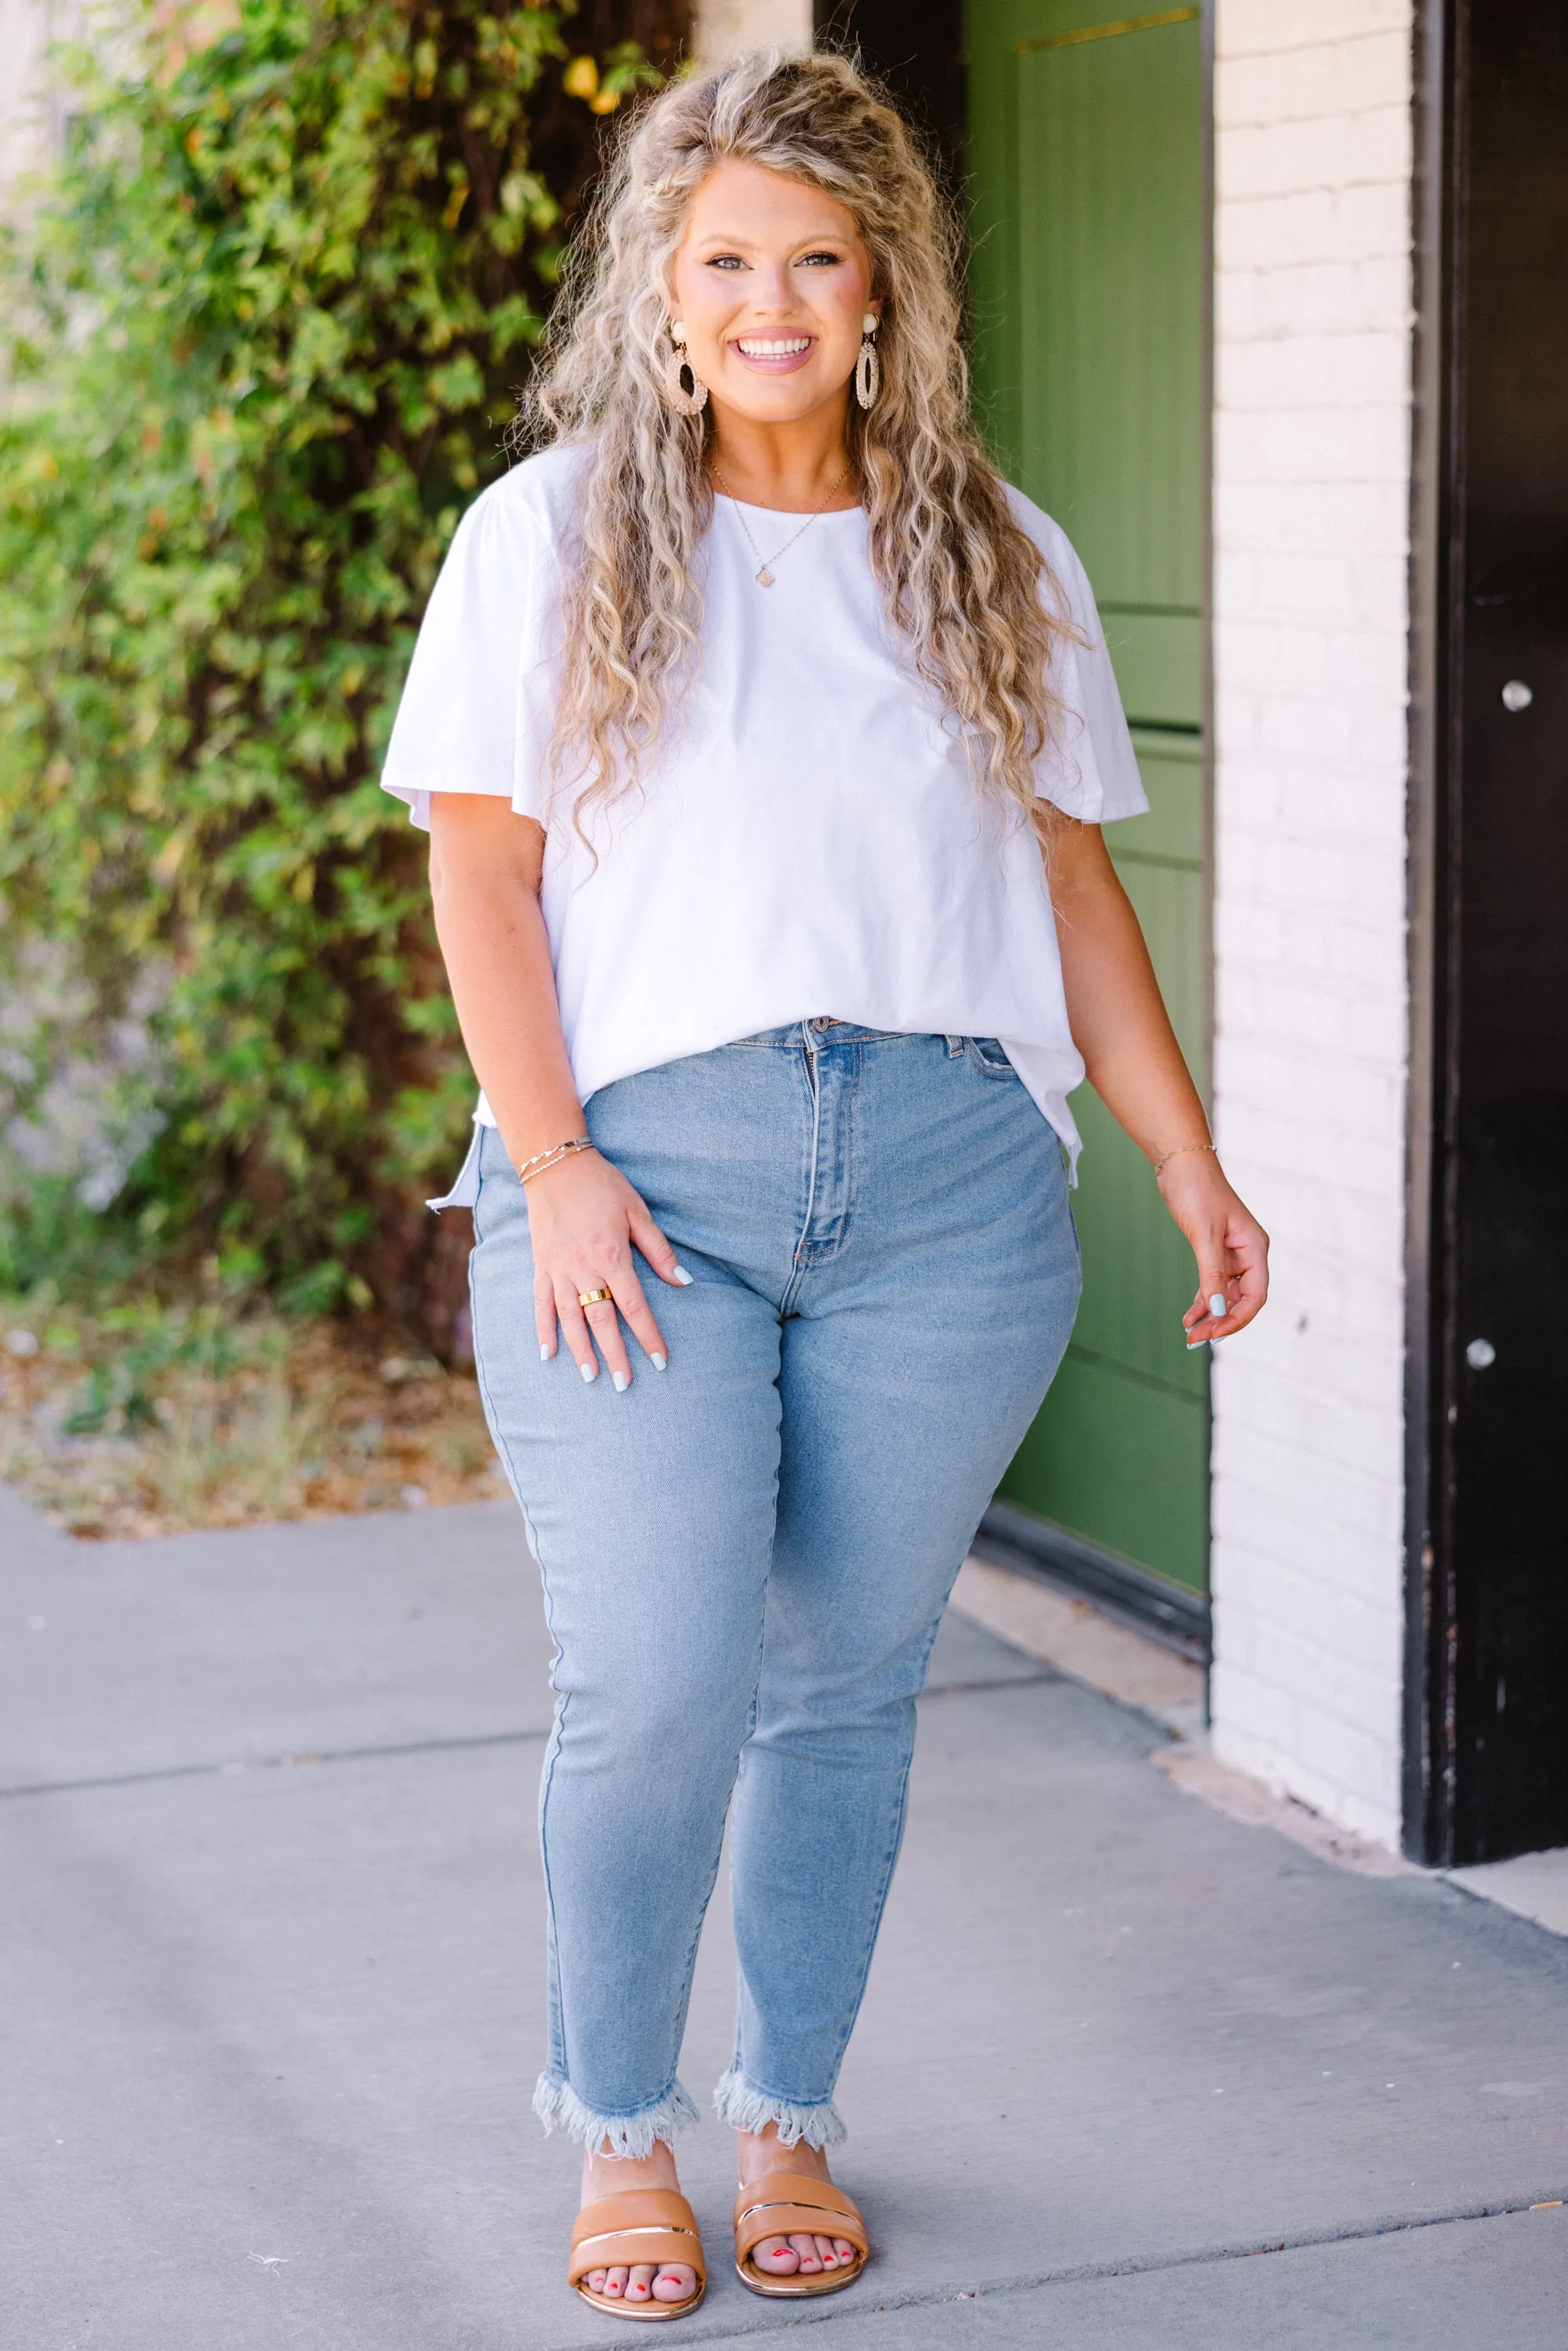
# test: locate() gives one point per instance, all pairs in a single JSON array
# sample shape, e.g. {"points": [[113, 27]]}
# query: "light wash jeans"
{"points": [[745, 1558]]}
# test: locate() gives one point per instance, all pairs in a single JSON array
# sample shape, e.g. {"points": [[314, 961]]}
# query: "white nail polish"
{"points": [[589, 1371], [683, 1277], [1194, 1345], [1217, 1304], [620, 1382], [544, 1351], [660, 1363]]}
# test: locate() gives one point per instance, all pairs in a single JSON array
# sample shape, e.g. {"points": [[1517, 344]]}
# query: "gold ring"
{"points": [[592, 1297]]}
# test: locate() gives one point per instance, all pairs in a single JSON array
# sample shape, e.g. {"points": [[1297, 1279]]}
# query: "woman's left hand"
{"points": [[1133, 1062], [1229, 1243]]}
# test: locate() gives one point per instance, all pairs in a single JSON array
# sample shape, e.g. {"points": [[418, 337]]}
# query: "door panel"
{"points": [[1108, 140], [1088, 280], [1171, 766], [1158, 661]]}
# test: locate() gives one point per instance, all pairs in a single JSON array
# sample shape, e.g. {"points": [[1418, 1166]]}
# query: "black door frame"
{"points": [[1429, 1613], [1425, 1759], [1458, 1597]]}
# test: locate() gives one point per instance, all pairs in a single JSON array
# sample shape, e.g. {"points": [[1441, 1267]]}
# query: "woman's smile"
{"points": [[774, 354]]}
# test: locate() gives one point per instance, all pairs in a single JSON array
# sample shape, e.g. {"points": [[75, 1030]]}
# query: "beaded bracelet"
{"points": [[543, 1161], [1177, 1150]]}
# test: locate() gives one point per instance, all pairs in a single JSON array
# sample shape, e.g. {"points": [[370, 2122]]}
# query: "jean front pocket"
{"points": [[989, 1054]]}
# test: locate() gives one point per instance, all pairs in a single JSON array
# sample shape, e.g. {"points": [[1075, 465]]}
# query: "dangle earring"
{"points": [[678, 368], [868, 367]]}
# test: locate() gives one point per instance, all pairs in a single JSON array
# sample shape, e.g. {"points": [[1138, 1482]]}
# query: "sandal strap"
{"points": [[792, 2204], [640, 2224]]}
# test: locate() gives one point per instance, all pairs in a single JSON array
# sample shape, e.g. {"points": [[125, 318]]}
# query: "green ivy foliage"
{"points": [[265, 339]]}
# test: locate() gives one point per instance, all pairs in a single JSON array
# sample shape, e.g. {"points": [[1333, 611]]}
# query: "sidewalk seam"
{"points": [[235, 1767], [1136, 2265]]}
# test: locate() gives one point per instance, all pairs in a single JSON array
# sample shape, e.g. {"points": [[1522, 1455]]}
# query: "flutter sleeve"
{"points": [[1088, 767], [467, 721]]}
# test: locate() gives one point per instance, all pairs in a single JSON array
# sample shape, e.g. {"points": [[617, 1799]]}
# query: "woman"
{"points": [[764, 737]]}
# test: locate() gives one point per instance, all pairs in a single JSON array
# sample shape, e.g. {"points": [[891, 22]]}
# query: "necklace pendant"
{"points": [[764, 578]]}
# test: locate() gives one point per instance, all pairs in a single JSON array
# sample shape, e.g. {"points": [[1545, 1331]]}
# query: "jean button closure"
{"points": [[823, 1020]]}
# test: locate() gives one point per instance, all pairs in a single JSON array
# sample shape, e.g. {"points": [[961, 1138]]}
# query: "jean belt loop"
{"points": [[955, 1046]]}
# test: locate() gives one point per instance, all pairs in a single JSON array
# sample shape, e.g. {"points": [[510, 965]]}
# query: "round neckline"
{"points": [[792, 514]]}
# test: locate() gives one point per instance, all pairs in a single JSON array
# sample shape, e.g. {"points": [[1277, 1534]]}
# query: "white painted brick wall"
{"points": [[1311, 519]]}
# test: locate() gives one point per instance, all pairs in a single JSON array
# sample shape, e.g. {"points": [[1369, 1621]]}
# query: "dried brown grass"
{"points": [[149, 1420]]}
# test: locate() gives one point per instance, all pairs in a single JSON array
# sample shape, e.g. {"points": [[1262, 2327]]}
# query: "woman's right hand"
{"points": [[584, 1220]]}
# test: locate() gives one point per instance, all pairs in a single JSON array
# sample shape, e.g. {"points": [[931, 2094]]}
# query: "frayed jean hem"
{"points": [[558, 2108], [748, 2109]]}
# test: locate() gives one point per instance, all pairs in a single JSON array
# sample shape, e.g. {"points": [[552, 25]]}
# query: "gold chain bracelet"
{"points": [[543, 1161], [1176, 1152]]}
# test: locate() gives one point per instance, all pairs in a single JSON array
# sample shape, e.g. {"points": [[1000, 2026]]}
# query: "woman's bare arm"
{"points": [[584, 1218], [1122, 1029], [485, 869]]}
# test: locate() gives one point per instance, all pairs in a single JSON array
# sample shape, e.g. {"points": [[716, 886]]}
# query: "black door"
{"points": [[1497, 1661]]}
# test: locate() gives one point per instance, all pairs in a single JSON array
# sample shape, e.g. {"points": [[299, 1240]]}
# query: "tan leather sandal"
{"points": [[791, 2204], [640, 2224]]}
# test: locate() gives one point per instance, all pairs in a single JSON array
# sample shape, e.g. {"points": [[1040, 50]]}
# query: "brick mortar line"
{"points": [[1322, 45]]}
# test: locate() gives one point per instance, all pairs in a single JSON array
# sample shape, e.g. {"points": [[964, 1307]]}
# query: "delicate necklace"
{"points": [[765, 563]]}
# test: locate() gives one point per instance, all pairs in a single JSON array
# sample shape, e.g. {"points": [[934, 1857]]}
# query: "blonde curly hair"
{"points": [[962, 583]]}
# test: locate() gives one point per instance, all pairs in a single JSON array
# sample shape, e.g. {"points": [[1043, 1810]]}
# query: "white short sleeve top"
{"points": [[808, 839]]}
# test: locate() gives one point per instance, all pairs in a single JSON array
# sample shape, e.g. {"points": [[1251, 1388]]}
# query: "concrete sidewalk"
{"points": [[273, 2002]]}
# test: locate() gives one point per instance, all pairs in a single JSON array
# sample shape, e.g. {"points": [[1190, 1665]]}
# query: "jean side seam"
{"points": [[751, 1708], [890, 1862], [683, 2007], [891, 1858]]}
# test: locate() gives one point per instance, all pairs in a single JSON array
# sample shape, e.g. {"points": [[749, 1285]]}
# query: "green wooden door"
{"points": [[1088, 283]]}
